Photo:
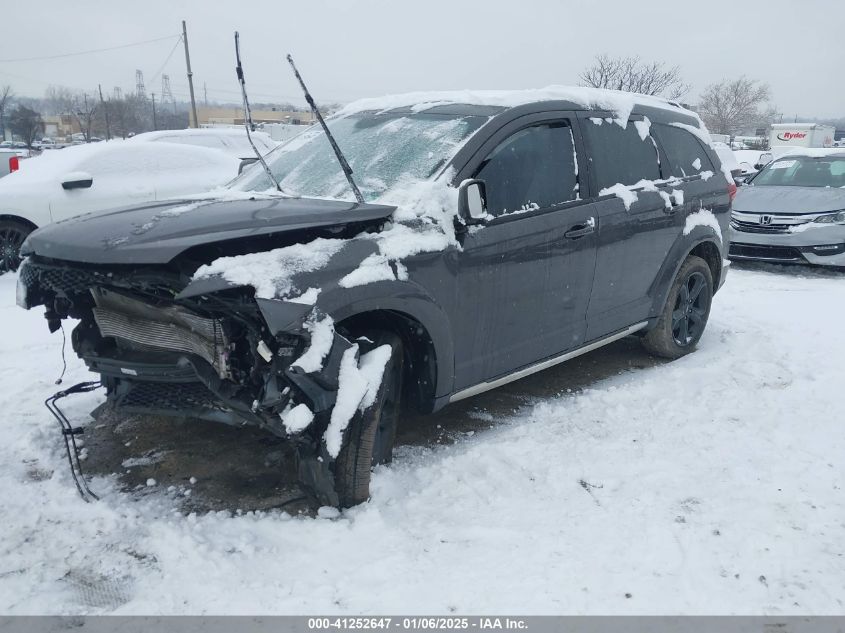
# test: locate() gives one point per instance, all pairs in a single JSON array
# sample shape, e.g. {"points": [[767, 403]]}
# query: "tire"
{"points": [[370, 436], [12, 235], [685, 314]]}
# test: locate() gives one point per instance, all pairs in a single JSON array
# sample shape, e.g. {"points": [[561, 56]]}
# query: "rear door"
{"points": [[637, 224], [524, 276], [692, 170]]}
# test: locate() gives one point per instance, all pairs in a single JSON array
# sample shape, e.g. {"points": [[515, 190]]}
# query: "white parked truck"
{"points": [[9, 161], [801, 135]]}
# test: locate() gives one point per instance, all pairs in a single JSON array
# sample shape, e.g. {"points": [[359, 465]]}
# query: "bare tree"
{"points": [[58, 100], [631, 74], [78, 105], [84, 111], [26, 123], [733, 106], [6, 96]]}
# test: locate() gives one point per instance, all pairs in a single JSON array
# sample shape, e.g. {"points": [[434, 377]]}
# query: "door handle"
{"points": [[580, 230]]}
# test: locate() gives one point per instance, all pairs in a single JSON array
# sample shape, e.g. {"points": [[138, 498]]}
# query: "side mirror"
{"points": [[246, 162], [471, 201], [77, 180]]}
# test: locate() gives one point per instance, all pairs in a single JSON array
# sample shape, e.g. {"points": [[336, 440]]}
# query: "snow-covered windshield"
{"points": [[382, 149], [804, 171]]}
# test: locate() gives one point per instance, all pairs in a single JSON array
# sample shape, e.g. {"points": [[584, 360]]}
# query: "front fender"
{"points": [[403, 297]]}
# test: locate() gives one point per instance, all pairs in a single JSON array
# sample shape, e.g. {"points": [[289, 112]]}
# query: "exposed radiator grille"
{"points": [[164, 396], [169, 328]]}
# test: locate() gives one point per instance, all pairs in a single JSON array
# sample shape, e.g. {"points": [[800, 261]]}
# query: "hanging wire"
{"points": [[167, 59], [64, 359], [95, 50]]}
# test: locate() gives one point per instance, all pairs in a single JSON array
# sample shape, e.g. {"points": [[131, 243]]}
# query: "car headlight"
{"points": [[831, 218]]}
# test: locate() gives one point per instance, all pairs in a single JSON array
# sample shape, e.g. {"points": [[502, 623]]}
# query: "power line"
{"points": [[167, 59], [96, 50]]}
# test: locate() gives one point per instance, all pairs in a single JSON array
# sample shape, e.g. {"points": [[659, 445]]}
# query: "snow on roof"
{"points": [[621, 103], [205, 131], [233, 141]]}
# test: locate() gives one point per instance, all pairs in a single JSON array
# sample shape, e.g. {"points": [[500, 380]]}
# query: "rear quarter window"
{"points": [[620, 155], [684, 152]]}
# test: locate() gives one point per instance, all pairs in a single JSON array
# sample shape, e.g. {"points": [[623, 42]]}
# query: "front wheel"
{"points": [[685, 315], [369, 438], [12, 236]]}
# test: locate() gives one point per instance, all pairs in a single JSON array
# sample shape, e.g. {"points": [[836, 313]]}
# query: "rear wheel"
{"points": [[371, 433], [685, 315], [12, 235]]}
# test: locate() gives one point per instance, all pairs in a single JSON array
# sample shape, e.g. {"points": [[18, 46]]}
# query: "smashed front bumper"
{"points": [[213, 357]]}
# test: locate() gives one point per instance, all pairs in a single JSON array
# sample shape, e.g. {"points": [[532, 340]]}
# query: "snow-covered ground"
{"points": [[713, 484]]}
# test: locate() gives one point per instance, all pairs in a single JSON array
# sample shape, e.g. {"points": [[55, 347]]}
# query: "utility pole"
{"points": [[87, 113], [195, 122], [155, 126], [105, 111], [205, 93]]}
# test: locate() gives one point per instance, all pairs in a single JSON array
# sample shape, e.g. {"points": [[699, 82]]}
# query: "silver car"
{"points": [[793, 210]]}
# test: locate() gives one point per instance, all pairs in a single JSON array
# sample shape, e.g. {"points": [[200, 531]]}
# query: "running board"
{"points": [[551, 362]]}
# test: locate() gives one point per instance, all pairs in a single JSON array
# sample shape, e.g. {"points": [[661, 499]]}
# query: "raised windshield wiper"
{"points": [[347, 170], [250, 126]]}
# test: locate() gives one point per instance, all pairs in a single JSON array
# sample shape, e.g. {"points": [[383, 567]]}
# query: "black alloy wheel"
{"points": [[681, 323], [691, 307]]}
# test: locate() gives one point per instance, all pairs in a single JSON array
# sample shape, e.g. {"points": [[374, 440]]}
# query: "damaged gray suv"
{"points": [[502, 233]]}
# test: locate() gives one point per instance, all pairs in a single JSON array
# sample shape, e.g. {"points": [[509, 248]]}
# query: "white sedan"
{"points": [[101, 176]]}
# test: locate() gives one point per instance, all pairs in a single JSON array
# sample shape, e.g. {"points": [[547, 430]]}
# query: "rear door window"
{"points": [[685, 153], [533, 168], [620, 155]]}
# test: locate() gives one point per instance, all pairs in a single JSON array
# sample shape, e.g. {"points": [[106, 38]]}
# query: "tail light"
{"points": [[14, 164], [732, 189]]}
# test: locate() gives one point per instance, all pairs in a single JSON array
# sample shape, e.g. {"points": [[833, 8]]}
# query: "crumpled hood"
{"points": [[794, 200], [156, 233]]}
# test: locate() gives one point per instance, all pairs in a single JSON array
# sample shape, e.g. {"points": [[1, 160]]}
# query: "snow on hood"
{"points": [[621, 103], [271, 272], [787, 199], [422, 223]]}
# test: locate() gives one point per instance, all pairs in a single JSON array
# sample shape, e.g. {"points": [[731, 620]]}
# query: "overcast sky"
{"points": [[350, 49]]}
